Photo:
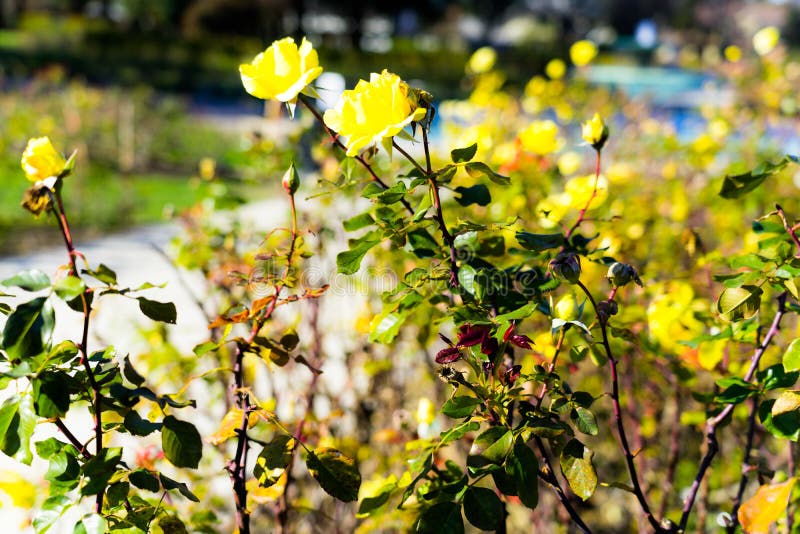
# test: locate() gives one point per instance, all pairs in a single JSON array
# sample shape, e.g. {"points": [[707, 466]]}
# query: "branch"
{"points": [[746, 468], [714, 422]]}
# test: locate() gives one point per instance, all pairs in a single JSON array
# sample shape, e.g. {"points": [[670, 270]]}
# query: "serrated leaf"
{"points": [[31, 280], [181, 443], [490, 447], [335, 472], [441, 518], [462, 155], [460, 406], [739, 303], [273, 460], [765, 507], [466, 278], [483, 508], [158, 311], [577, 467], [584, 420]]}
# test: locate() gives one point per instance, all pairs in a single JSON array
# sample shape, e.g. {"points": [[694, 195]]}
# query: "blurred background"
{"points": [[149, 93]]}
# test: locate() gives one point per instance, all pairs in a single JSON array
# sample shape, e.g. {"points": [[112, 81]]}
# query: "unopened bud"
{"points": [[621, 274], [595, 132], [566, 266], [291, 180]]}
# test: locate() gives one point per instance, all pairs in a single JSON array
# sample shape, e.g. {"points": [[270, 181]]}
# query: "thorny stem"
{"points": [[549, 476], [63, 224], [714, 422], [582, 213], [623, 439], [746, 468], [552, 366], [674, 451], [335, 138]]}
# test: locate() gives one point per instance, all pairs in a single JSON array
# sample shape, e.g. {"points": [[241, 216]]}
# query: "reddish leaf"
{"points": [[448, 355]]}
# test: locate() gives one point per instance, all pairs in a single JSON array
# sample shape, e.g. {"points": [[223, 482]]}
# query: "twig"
{"points": [[789, 229], [623, 439], [748, 447], [714, 422]]}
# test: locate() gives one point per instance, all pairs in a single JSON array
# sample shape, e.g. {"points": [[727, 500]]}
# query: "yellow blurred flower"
{"points": [[670, 317], [374, 110], [582, 52], [552, 209], [426, 411], [732, 53], [594, 131], [40, 160], [580, 190], [482, 60], [567, 308], [765, 40], [541, 137], [569, 163], [555, 69], [281, 71]]}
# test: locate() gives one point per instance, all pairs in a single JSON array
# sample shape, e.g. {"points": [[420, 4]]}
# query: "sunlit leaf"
{"points": [[765, 507]]}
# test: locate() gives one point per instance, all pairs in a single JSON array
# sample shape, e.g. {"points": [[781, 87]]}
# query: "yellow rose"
{"points": [[281, 71], [541, 137], [40, 160], [580, 191], [374, 110], [765, 40], [582, 52], [595, 131]]}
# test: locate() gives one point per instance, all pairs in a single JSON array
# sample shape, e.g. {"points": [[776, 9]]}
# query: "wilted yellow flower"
{"points": [[482, 60], [582, 52], [732, 53], [595, 131], [765, 40], [372, 111], [580, 191], [281, 71], [541, 137], [40, 160], [555, 69]]}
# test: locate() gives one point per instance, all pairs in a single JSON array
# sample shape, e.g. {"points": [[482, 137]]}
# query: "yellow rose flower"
{"points": [[281, 71], [765, 40], [595, 132], [374, 110], [40, 160], [582, 52], [541, 137], [482, 60], [580, 191]]}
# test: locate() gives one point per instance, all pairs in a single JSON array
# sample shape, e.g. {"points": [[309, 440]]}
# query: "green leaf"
{"points": [[32, 280], [98, 470], [441, 518], [28, 330], [483, 508], [91, 524], [349, 261], [735, 390], [457, 432], [422, 208], [158, 311], [69, 287], [539, 242], [477, 194], [523, 468], [462, 155], [577, 467], [490, 447], [136, 425], [371, 504], [393, 194], [476, 168], [461, 406], [273, 460], [52, 509], [358, 222], [335, 472], [739, 303], [63, 471], [775, 377], [51, 394], [103, 274], [17, 422], [130, 373], [584, 420], [466, 278], [783, 426], [144, 479], [738, 185], [181, 443], [170, 484], [791, 357]]}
